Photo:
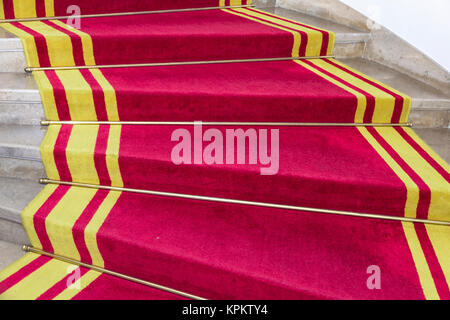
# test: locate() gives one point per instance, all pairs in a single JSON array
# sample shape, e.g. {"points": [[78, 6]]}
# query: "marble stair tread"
{"points": [[11, 53], [22, 87], [344, 34], [8, 41], [15, 195], [20, 101], [349, 42], [18, 87], [430, 107], [9, 252], [423, 95], [438, 139], [21, 142]]}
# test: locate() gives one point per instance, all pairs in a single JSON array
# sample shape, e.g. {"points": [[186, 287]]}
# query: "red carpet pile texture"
{"points": [[270, 241]]}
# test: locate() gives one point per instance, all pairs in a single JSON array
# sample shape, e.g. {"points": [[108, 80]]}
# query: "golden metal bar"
{"points": [[244, 202], [207, 123], [118, 14], [166, 64], [28, 248]]}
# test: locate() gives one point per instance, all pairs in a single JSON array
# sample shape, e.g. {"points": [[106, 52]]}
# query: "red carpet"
{"points": [[181, 36], [259, 234], [304, 91]]}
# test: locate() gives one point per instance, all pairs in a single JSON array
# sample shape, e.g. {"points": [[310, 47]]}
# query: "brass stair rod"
{"points": [[180, 63], [119, 14], [244, 202], [28, 248], [225, 123]]}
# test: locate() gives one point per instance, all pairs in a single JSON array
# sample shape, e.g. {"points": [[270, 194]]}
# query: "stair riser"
{"points": [[22, 169], [430, 118], [12, 61], [13, 164], [26, 113], [12, 232], [349, 50], [423, 114], [18, 96], [264, 3], [20, 152]]}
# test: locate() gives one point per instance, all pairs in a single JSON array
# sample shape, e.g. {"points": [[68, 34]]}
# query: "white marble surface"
{"points": [[9, 253], [384, 46]]}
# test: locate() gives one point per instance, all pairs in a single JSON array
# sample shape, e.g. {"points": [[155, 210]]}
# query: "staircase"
{"points": [[21, 111]]}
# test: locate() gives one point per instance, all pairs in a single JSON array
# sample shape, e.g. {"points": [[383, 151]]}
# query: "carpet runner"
{"points": [[225, 225]]}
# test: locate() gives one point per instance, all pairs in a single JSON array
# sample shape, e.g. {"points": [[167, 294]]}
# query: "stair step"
{"points": [[19, 152], [438, 139], [430, 107], [18, 87], [20, 101], [12, 55], [15, 194], [230, 251], [96, 285], [21, 142], [181, 36], [14, 197], [309, 165], [9, 253], [349, 42]]}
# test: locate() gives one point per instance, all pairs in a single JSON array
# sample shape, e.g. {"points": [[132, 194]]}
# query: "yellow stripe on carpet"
{"points": [[49, 8], [362, 101], [412, 190], [112, 156], [235, 2], [57, 42], [28, 43], [38, 282], [109, 93], [86, 42], [63, 217], [92, 229], [423, 270], [79, 285], [427, 149], [406, 99], [439, 237], [30, 211], [24, 8], [47, 152], [80, 154], [47, 95], [384, 103], [2, 11], [315, 38], [78, 92], [17, 265], [440, 197], [295, 34]]}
